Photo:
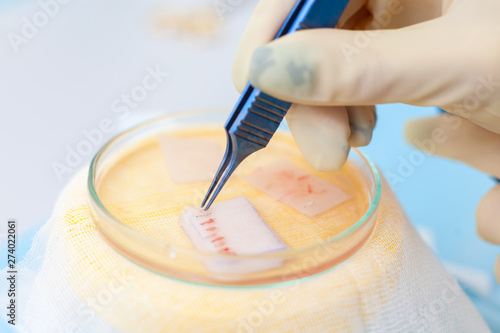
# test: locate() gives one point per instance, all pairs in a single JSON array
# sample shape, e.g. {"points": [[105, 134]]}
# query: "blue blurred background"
{"points": [[65, 79]]}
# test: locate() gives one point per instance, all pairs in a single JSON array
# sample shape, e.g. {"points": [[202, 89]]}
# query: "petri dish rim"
{"points": [[96, 203]]}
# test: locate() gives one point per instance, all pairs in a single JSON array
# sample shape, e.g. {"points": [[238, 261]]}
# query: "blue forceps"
{"points": [[257, 116]]}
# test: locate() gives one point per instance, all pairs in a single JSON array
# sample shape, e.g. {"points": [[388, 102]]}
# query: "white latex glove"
{"points": [[426, 53], [430, 53]]}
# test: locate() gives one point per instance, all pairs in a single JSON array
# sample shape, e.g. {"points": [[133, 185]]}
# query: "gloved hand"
{"points": [[425, 53], [460, 139]]}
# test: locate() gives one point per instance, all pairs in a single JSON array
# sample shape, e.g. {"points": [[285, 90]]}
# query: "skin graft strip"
{"points": [[191, 159], [232, 227], [296, 188]]}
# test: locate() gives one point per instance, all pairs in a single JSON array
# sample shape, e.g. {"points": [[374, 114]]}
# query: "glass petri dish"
{"points": [[136, 206]]}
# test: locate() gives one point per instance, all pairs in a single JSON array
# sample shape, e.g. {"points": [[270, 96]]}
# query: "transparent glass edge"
{"points": [[103, 210]]}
